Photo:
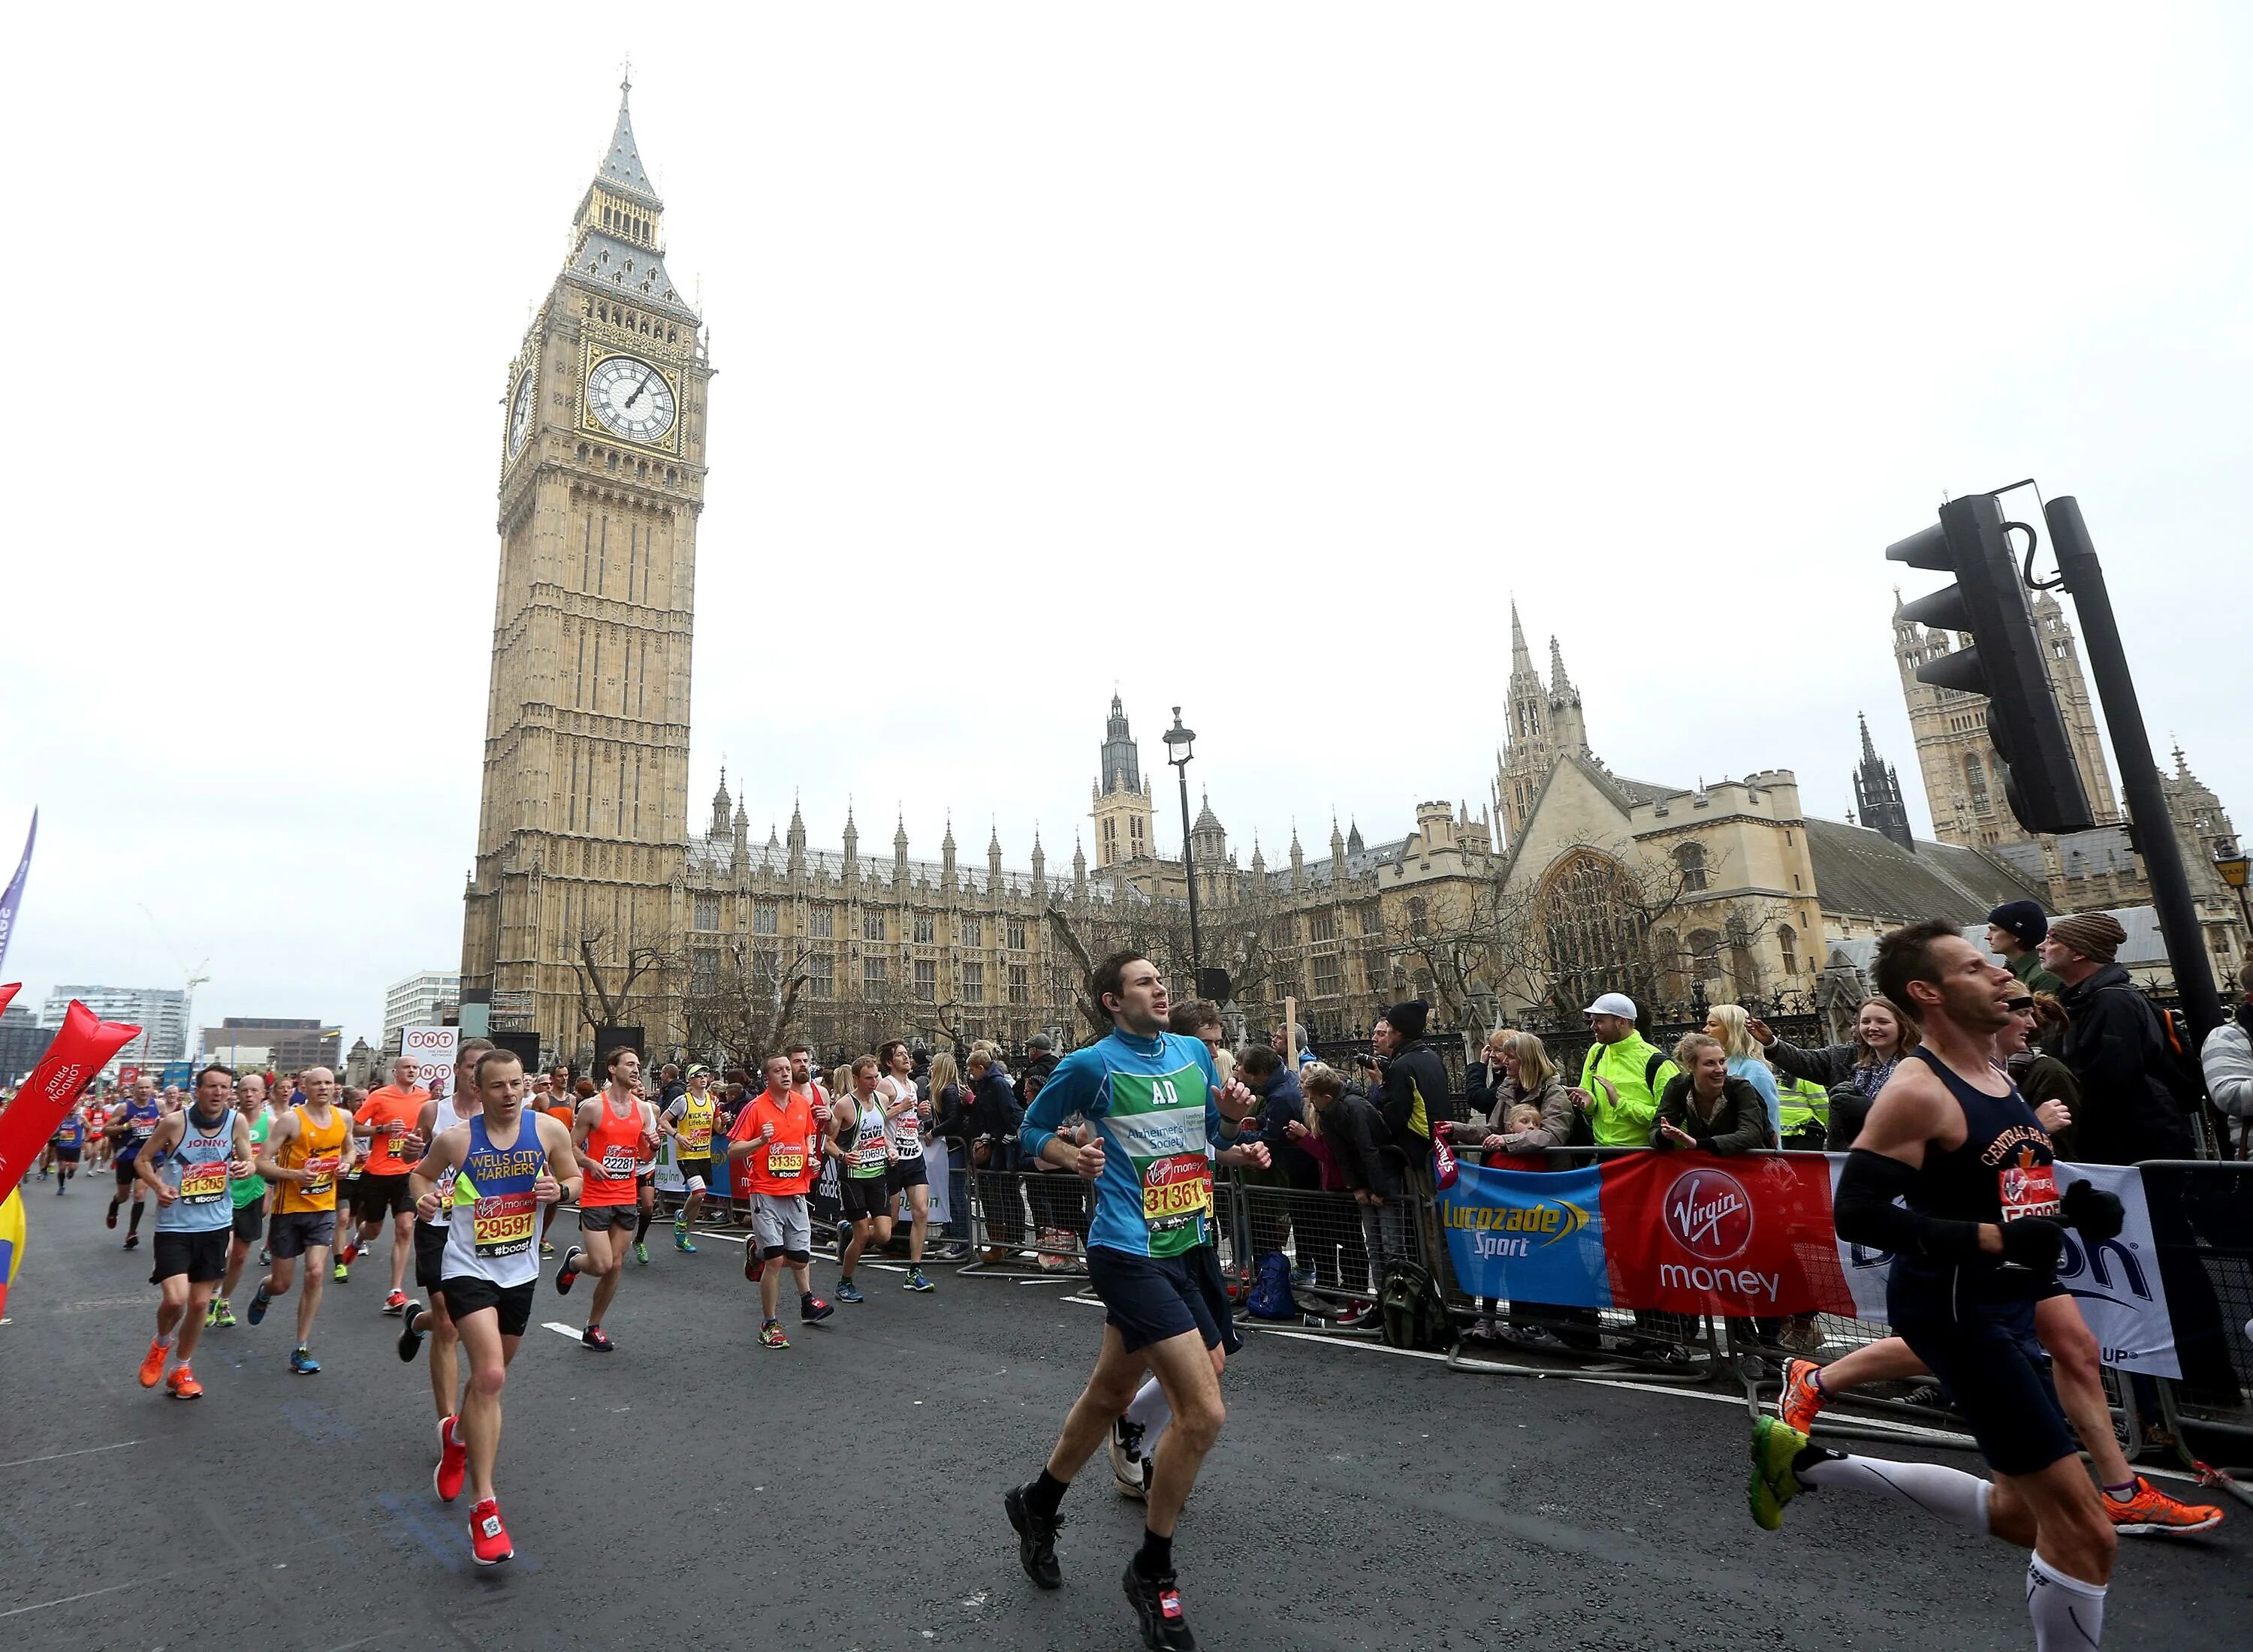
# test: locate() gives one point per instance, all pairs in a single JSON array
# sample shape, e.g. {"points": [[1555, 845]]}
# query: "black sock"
{"points": [[133, 1226], [1155, 1557], [1045, 1495], [641, 1229]]}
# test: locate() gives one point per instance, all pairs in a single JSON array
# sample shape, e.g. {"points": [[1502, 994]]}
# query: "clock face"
{"points": [[630, 398], [520, 415]]}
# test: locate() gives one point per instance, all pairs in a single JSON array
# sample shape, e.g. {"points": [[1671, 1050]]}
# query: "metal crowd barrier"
{"points": [[1029, 1222]]}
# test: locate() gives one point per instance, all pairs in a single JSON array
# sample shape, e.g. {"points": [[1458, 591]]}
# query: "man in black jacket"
{"points": [[2115, 1048], [1411, 1097]]}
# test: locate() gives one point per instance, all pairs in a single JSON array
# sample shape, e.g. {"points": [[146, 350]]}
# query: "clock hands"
{"points": [[643, 385]]}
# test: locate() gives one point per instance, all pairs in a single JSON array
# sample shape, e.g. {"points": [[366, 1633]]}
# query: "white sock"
{"points": [[1150, 1410], [2067, 1614], [1955, 1496]]}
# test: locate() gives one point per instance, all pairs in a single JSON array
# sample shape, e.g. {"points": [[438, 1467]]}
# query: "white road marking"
{"points": [[559, 1328], [59, 1455]]}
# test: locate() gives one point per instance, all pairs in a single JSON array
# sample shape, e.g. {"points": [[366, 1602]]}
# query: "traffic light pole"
{"points": [[2139, 772]]}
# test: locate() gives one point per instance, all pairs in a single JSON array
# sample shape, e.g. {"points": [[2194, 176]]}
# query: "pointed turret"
{"points": [[1337, 852], [852, 848], [1521, 658], [946, 856], [618, 240], [993, 859], [1353, 843], [796, 839], [719, 806], [1561, 686], [1877, 793], [1078, 868], [1040, 863]]}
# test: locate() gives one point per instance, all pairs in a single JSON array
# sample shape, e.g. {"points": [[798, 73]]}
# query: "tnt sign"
{"points": [[432, 1049]]}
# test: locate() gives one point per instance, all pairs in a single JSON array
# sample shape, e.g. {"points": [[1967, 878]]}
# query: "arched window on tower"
{"points": [[1975, 781], [1690, 860], [1705, 955], [1787, 943]]}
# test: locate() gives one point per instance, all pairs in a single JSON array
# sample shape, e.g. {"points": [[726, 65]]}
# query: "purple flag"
{"points": [[15, 894]]}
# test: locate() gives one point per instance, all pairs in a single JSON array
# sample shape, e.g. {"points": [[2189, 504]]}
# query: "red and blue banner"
{"points": [[1751, 1236]]}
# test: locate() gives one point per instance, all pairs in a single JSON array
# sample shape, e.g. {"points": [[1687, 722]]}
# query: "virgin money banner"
{"points": [[1693, 1233], [1527, 1235], [78, 1051], [2117, 1282]]}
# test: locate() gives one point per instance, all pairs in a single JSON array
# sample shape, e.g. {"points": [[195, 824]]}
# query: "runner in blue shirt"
{"points": [[1152, 1104]]}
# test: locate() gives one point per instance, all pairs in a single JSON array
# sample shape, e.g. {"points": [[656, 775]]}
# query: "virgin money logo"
{"points": [[1709, 1215]]}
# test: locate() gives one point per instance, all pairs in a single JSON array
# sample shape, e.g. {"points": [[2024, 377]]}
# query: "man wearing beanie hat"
{"points": [[2014, 930], [1409, 1091], [2115, 1046]]}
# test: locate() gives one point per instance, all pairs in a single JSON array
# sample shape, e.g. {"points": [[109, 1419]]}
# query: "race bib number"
{"points": [[1177, 1190], [503, 1225], [203, 1184], [785, 1162], [868, 1161], [696, 1141], [320, 1174], [2028, 1189], [618, 1164], [143, 1128]]}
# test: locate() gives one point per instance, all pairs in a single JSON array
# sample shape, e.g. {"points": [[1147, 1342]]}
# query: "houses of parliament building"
{"points": [[595, 899]]}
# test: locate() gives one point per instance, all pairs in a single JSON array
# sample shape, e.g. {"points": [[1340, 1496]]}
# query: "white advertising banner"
{"points": [[432, 1049], [2116, 1281]]}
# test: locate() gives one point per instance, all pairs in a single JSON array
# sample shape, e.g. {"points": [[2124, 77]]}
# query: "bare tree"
{"points": [[742, 1001], [606, 986]]}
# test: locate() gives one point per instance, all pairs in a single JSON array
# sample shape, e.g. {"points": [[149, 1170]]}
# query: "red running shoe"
{"points": [[1803, 1397], [453, 1462], [489, 1543]]}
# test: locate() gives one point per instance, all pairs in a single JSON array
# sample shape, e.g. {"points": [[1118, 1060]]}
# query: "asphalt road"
{"points": [[693, 1490]]}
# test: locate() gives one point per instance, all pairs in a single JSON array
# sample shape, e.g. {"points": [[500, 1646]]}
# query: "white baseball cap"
{"points": [[1617, 1004]]}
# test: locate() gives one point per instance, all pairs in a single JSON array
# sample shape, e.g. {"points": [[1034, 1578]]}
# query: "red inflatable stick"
{"points": [[80, 1049], [8, 991]]}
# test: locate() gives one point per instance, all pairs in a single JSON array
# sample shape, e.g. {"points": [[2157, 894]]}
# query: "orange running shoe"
{"points": [[2151, 1513], [152, 1365], [182, 1383], [1803, 1395]]}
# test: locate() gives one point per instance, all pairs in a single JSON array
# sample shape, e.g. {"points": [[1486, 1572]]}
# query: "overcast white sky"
{"points": [[1248, 358]]}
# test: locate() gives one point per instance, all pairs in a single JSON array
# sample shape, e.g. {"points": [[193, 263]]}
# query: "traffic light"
{"points": [[2040, 778]]}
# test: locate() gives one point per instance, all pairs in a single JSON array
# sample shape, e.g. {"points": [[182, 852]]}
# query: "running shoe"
{"points": [[1035, 1539], [681, 1241], [547, 1248], [223, 1312], [211, 1313], [1802, 1396], [594, 1337], [567, 1275], [302, 1362], [849, 1292], [410, 1330], [110, 1220], [770, 1335], [641, 1252], [2151, 1513], [489, 1543], [754, 1264], [152, 1365], [915, 1281], [132, 1242], [1774, 1481], [1130, 1469], [260, 1301], [182, 1383], [395, 1303], [811, 1310], [350, 1254], [453, 1460], [1158, 1605], [342, 1273], [265, 1257], [1302, 1279]]}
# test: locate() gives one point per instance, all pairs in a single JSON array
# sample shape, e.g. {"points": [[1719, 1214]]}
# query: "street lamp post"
{"points": [[1178, 744], [2231, 862]]}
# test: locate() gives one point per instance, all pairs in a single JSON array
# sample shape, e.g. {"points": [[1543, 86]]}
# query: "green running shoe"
{"points": [[1774, 1481], [641, 1252], [222, 1316], [681, 1241]]}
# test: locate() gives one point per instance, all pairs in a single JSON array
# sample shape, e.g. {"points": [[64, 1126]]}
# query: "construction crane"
{"points": [[197, 976]]}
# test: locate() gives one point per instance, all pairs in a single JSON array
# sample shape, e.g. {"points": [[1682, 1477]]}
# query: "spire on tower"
{"points": [[1521, 658], [1561, 686]]}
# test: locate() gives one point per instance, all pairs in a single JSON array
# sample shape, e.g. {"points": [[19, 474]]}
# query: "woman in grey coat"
{"points": [[1853, 1072]]}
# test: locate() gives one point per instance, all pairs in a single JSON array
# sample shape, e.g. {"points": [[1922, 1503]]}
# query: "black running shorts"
{"points": [[250, 1220], [429, 1256], [907, 1173], [202, 1256], [1987, 1355], [1151, 1298], [124, 1169], [602, 1218], [696, 1173], [467, 1292], [374, 1197], [864, 1196], [293, 1232]]}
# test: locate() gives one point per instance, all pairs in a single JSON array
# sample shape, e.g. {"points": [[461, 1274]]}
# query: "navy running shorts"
{"points": [[1151, 1298], [1988, 1358]]}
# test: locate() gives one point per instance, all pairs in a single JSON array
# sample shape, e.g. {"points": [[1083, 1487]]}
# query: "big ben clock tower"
{"points": [[584, 817]]}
